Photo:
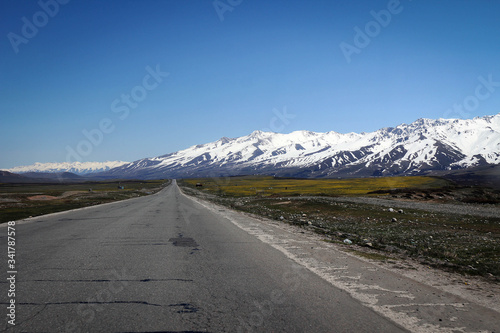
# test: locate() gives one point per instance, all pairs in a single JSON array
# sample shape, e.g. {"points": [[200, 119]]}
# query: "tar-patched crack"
{"points": [[107, 280], [88, 302], [185, 308], [88, 218], [168, 332], [127, 243], [183, 241], [193, 251]]}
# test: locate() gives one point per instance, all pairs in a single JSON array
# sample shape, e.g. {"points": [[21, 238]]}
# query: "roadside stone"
{"points": [[347, 241], [394, 219]]}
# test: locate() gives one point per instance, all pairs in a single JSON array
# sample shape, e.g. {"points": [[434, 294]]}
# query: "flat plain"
{"points": [[20, 201]]}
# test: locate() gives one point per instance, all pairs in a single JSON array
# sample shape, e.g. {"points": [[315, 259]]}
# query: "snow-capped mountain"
{"points": [[419, 147], [79, 168]]}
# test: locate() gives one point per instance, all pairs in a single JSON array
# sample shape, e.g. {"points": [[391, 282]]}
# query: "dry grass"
{"points": [[270, 186]]}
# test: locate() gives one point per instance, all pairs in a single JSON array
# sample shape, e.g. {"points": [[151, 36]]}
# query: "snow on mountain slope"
{"points": [[79, 168], [421, 146]]}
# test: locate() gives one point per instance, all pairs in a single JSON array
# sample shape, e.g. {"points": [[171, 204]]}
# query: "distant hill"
{"points": [[9, 177], [485, 176], [58, 176], [39, 177]]}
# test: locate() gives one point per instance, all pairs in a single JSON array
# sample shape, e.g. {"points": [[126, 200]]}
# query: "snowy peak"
{"points": [[79, 168], [416, 148], [420, 147]]}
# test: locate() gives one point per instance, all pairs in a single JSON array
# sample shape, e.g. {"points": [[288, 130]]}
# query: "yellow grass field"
{"points": [[270, 186]]}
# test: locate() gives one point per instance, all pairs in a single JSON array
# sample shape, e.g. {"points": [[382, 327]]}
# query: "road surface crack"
{"points": [[85, 302]]}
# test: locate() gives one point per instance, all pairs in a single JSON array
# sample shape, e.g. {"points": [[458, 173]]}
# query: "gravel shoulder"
{"points": [[463, 209]]}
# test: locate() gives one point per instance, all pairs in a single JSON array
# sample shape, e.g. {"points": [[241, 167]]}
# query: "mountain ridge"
{"points": [[78, 168], [417, 148], [423, 146]]}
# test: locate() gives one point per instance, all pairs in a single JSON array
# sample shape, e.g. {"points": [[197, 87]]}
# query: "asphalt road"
{"points": [[164, 263]]}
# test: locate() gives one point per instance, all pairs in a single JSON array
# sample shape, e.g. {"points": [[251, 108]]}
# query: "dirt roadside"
{"points": [[463, 209]]}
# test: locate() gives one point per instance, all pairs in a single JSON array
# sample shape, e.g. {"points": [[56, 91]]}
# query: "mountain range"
{"points": [[418, 148], [79, 168], [421, 147]]}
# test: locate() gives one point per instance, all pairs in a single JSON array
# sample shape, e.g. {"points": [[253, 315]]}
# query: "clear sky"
{"points": [[234, 66]]}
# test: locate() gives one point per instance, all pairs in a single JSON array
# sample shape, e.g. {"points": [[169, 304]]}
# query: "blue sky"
{"points": [[100, 67]]}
